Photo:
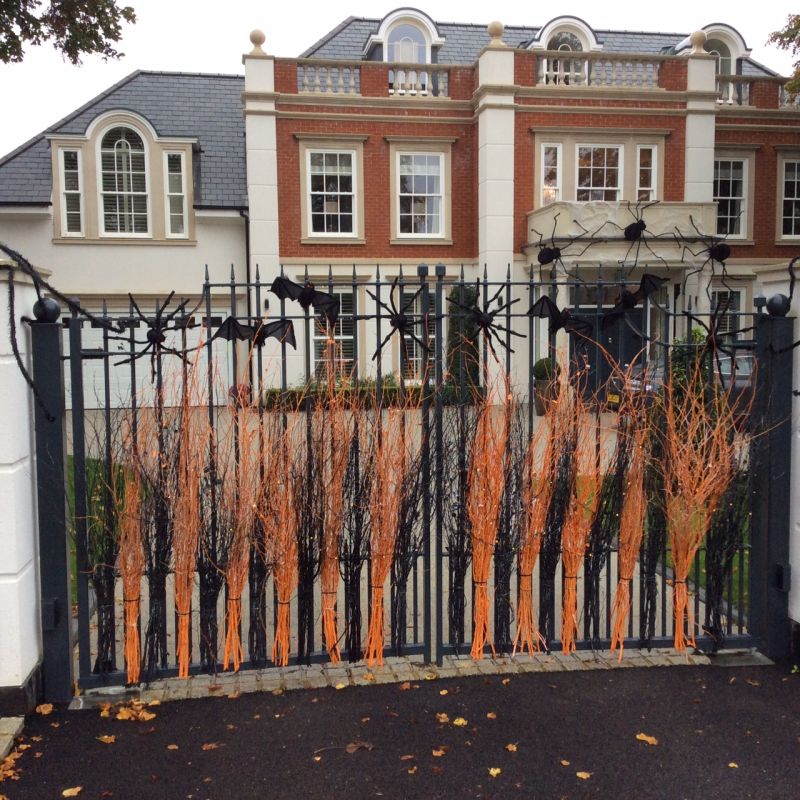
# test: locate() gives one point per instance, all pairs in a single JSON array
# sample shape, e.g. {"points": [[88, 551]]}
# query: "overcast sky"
{"points": [[179, 35]]}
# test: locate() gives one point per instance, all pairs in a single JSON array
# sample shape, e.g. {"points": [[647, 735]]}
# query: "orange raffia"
{"points": [[335, 429], [131, 565], [486, 481], [580, 513], [390, 464], [700, 445], [631, 529], [537, 492]]}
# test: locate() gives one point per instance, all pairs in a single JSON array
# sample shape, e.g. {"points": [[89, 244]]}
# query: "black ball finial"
{"points": [[778, 305], [46, 310]]}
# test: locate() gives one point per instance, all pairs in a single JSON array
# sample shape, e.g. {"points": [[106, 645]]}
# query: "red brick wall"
{"points": [[672, 75]]}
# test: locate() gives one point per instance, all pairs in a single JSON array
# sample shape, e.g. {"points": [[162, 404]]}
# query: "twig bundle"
{"points": [[389, 465], [699, 447], [537, 492], [486, 480], [131, 565], [631, 529]]}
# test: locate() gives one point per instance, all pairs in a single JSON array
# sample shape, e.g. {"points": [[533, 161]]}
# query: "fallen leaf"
{"points": [[494, 771], [317, 758], [732, 680], [24, 747], [584, 776], [491, 715], [256, 716], [107, 739], [214, 687], [643, 737], [36, 738], [73, 792], [751, 682], [431, 676], [443, 692], [234, 696], [365, 719], [44, 709], [210, 746], [38, 755], [460, 722], [505, 681], [407, 758], [733, 765], [230, 727], [442, 717], [154, 703], [354, 747], [437, 770], [172, 747], [564, 762], [55, 724], [279, 692], [511, 747], [105, 710], [438, 752], [207, 780], [339, 686], [412, 770], [369, 677], [404, 687]]}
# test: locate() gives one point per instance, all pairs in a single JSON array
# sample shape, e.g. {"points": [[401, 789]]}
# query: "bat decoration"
{"points": [[545, 308], [280, 329], [308, 296], [635, 233], [399, 319], [628, 300], [550, 253], [484, 318]]}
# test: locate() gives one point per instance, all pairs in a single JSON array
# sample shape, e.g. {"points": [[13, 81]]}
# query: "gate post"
{"points": [[770, 572], [48, 377]]}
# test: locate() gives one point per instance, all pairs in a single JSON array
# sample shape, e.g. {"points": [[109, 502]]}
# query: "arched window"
{"points": [[722, 53], [407, 43], [568, 69], [123, 187]]}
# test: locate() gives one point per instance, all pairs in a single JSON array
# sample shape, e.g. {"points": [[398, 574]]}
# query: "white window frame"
{"points": [[182, 194], [653, 188], [310, 232], [319, 335], [416, 356], [441, 233], [101, 221], [782, 198], [65, 192], [744, 208], [559, 187], [732, 316], [620, 188]]}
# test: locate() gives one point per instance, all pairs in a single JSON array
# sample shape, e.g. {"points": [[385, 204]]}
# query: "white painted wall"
{"points": [[20, 638]]}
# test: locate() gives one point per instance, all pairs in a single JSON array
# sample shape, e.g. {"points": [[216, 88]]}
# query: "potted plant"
{"points": [[545, 384]]}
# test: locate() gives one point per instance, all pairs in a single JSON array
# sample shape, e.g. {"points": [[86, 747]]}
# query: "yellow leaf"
{"points": [[511, 747], [340, 686], [405, 686], [506, 681], [44, 709], [460, 722], [439, 752], [145, 716], [643, 737], [564, 762], [431, 676], [107, 739], [172, 747], [584, 776], [412, 770], [73, 792], [494, 771], [733, 765], [233, 696], [154, 703], [407, 758], [443, 692], [317, 758], [491, 715], [105, 710], [279, 692], [369, 677], [124, 714], [210, 746], [442, 717]]}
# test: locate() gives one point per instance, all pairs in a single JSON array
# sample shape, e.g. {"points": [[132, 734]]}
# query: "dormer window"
{"points": [[123, 183], [568, 69], [564, 35], [722, 53], [407, 44]]}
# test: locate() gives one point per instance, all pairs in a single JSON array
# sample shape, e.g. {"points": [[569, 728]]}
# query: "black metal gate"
{"points": [[444, 335]]}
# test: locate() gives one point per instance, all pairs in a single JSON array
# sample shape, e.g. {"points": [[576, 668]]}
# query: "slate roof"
{"points": [[207, 108], [463, 42]]}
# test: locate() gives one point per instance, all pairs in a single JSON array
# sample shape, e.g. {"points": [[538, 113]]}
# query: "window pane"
{"points": [[331, 192]]}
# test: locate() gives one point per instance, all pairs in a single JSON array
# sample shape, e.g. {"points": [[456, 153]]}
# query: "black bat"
{"points": [[544, 307], [628, 300], [280, 329], [308, 296]]}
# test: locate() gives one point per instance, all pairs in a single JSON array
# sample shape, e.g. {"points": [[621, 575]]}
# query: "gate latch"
{"points": [[783, 577]]}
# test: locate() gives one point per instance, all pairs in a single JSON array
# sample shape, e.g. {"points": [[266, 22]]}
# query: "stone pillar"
{"points": [[262, 156], [495, 112], [20, 636]]}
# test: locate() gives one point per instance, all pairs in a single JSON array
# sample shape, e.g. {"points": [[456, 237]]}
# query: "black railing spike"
{"points": [[233, 274], [401, 272], [282, 272], [105, 308], [330, 273], [461, 274], [508, 272], [207, 278], [258, 274], [354, 273], [378, 273], [485, 272], [305, 273]]}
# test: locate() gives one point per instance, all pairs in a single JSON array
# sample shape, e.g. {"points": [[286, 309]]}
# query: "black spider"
{"points": [[399, 319], [484, 318], [715, 249], [156, 326], [550, 253], [635, 234]]}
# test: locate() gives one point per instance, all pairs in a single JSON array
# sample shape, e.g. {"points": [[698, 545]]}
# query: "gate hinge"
{"points": [[783, 577]]}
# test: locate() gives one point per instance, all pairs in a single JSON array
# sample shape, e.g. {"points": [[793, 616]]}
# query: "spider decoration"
{"points": [[400, 320], [484, 318], [634, 233], [550, 253], [628, 300], [715, 249], [156, 327]]}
